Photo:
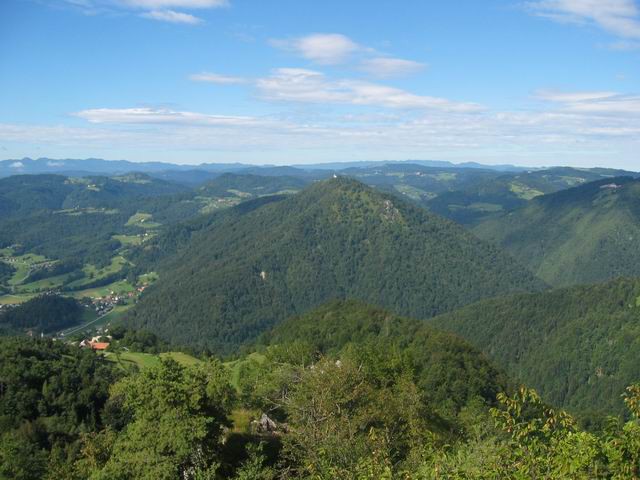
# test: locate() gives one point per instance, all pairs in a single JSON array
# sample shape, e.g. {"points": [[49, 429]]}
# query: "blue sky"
{"points": [[540, 82]]}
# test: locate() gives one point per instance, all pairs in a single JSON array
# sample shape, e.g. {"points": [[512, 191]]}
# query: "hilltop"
{"points": [[248, 268]]}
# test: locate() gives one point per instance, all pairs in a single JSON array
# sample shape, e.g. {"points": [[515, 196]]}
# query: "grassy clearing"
{"points": [[138, 360], [182, 358], [524, 191], [210, 204], [142, 220], [50, 283], [129, 239], [235, 367], [148, 278], [76, 212], [22, 264], [15, 299], [92, 273], [118, 288], [413, 192]]}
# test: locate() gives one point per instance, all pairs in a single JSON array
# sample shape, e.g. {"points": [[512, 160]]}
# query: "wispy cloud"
{"points": [[309, 86], [390, 67], [161, 116], [572, 97], [172, 16], [161, 10], [618, 17], [217, 78], [594, 103]]}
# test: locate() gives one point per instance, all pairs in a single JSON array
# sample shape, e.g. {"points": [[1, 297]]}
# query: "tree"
{"points": [[178, 415]]}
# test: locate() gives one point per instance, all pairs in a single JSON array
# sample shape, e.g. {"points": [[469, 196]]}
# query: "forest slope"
{"points": [[585, 234], [579, 346]]}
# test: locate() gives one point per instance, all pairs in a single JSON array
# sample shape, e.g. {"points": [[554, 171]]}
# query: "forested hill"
{"points": [[487, 197], [25, 194], [336, 239], [448, 370], [585, 234], [578, 346]]}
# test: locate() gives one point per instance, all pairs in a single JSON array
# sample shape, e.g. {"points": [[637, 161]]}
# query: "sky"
{"points": [[535, 82]]}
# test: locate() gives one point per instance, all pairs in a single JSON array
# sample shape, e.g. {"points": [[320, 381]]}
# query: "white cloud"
{"points": [[322, 48], [161, 116], [301, 85], [164, 4], [390, 67], [172, 17], [217, 78], [17, 165], [619, 17]]}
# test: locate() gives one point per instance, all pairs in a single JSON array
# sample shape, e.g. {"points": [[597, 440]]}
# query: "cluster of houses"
{"points": [[104, 305]]}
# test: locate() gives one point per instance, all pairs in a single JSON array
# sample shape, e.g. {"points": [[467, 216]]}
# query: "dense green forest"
{"points": [[346, 391], [579, 346], [51, 396], [585, 234], [42, 314], [249, 268]]}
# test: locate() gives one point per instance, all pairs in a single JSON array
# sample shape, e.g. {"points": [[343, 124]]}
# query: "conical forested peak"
{"points": [[248, 269]]}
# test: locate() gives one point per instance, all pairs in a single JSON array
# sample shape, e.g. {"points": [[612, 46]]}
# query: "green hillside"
{"points": [[579, 346], [585, 234], [488, 197], [253, 267]]}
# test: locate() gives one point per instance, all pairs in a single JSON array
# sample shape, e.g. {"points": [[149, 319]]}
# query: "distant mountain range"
{"points": [[92, 166]]}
